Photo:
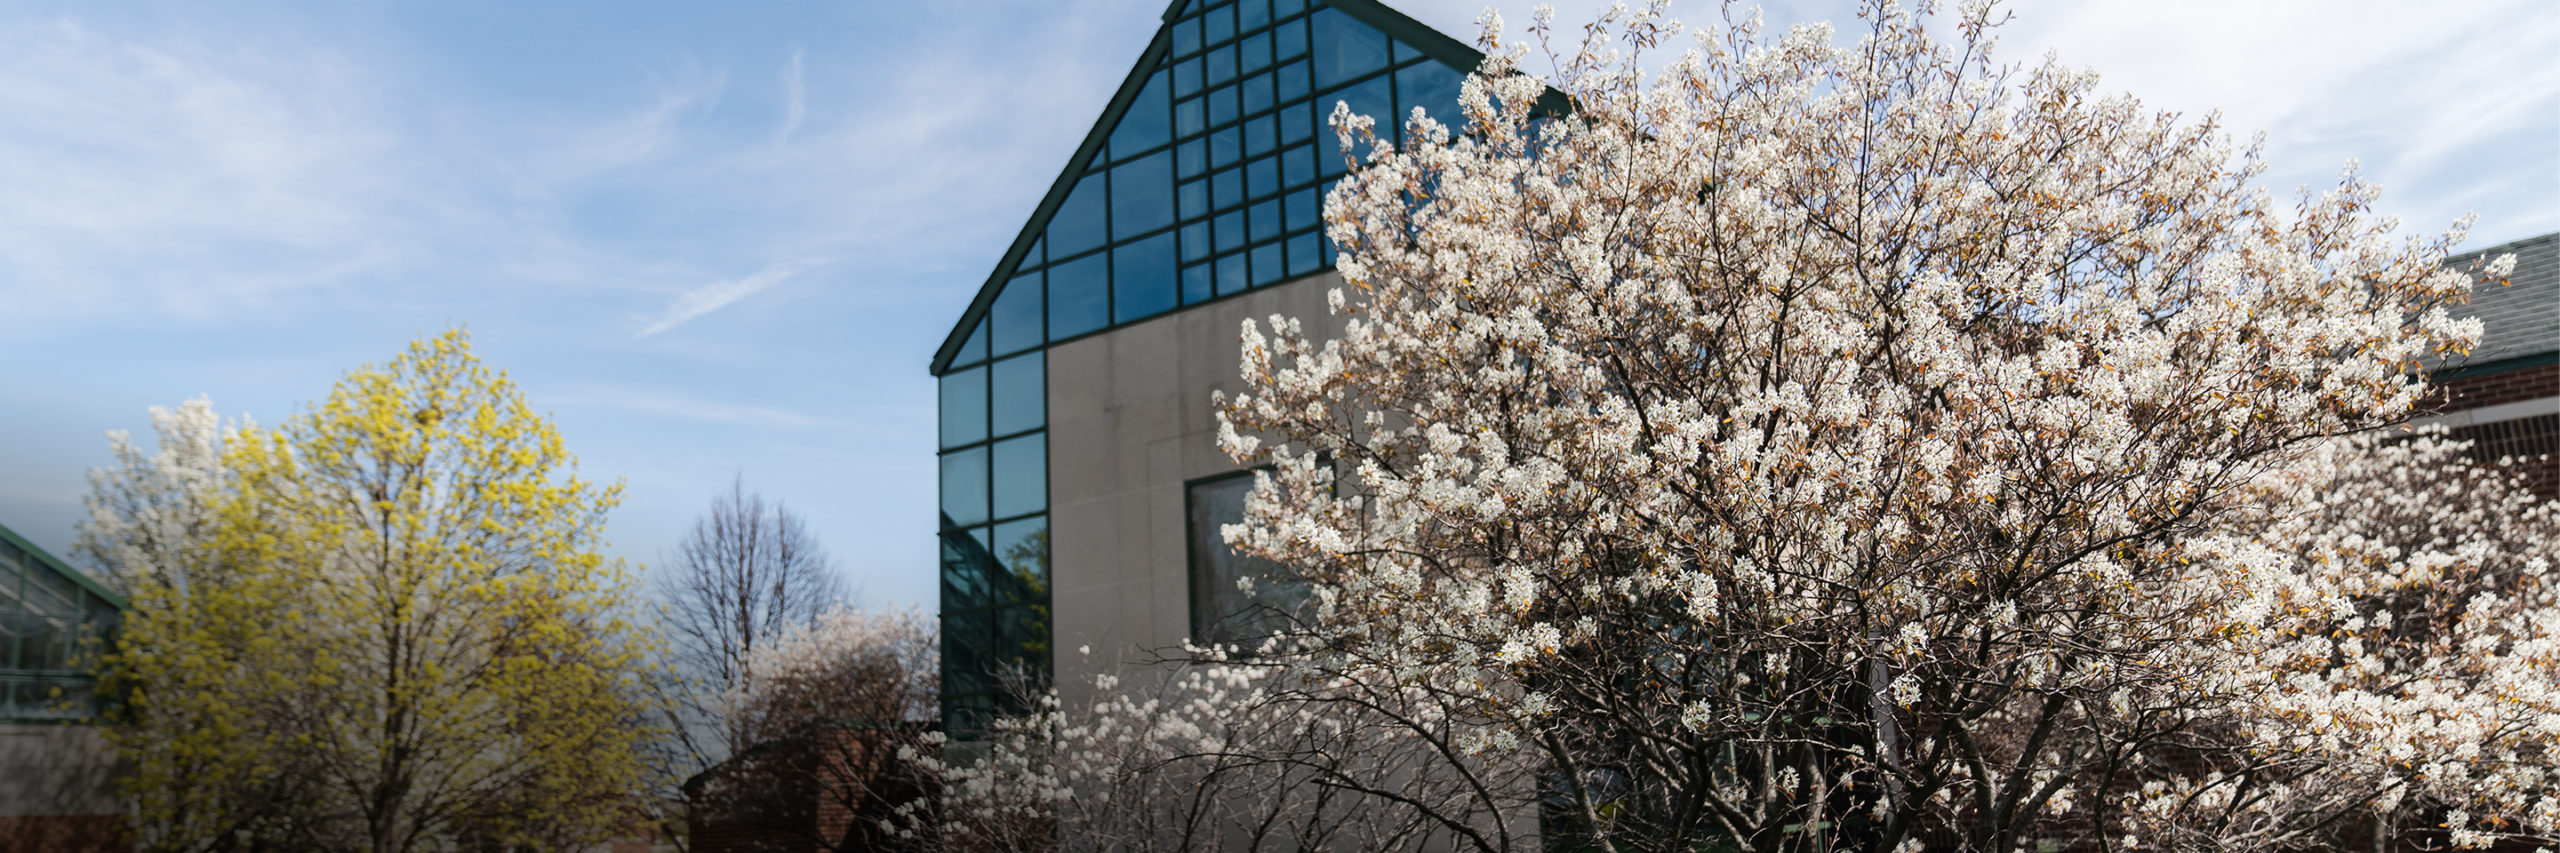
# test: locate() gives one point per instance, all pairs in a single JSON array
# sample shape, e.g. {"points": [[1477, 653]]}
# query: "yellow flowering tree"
{"points": [[412, 641]]}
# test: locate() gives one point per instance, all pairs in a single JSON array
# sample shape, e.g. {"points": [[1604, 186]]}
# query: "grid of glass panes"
{"points": [[994, 533], [1212, 182], [51, 631]]}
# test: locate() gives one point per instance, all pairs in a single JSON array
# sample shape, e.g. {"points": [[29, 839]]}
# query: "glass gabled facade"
{"points": [[1204, 179], [54, 623]]}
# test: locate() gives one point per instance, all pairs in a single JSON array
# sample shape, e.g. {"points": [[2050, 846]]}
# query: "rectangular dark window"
{"points": [[1079, 225], [1142, 278], [1015, 316], [1222, 611], [1079, 297], [1021, 476], [964, 486], [1019, 396], [1346, 48], [964, 406], [1142, 195]]}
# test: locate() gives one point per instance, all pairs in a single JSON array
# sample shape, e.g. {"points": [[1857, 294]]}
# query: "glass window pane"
{"points": [[1190, 157], [1221, 611], [1079, 297], [1231, 278], [1261, 135], [1186, 78], [1022, 547], [1146, 124], [1223, 148], [1251, 14], [1078, 225], [1222, 105], [1292, 79], [1433, 87], [1298, 165], [1257, 93], [1019, 395], [1015, 317], [1406, 53], [1228, 188], [1035, 256], [973, 349], [1303, 210], [1222, 65], [1262, 177], [1142, 195], [1267, 264], [1231, 231], [1254, 53], [1345, 48], [1188, 118], [1021, 475], [1195, 241], [964, 486], [1142, 278], [1289, 40], [1303, 257], [969, 573], [1195, 199], [1297, 123], [1220, 25], [1197, 284], [1186, 37], [964, 406], [1369, 98]]}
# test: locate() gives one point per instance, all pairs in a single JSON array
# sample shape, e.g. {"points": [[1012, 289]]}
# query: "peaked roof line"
{"points": [[1433, 43], [49, 561]]}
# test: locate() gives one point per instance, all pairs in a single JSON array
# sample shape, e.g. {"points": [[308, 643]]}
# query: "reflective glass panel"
{"points": [[1231, 278], [1433, 87], [1195, 199], [1252, 13], [1021, 475], [1267, 266], [1022, 547], [1015, 316], [1292, 79], [1190, 157], [964, 406], [1186, 78], [1142, 278], [1254, 53], [1262, 177], [1289, 40], [1078, 225], [1303, 256], [1221, 611], [1195, 241], [1186, 37], [973, 349], [1303, 209], [1079, 297], [1222, 105], [1297, 123], [1260, 136], [1188, 117], [1368, 98], [1223, 148], [1345, 48], [1142, 195], [1257, 93], [964, 486], [1286, 8], [1220, 24], [1146, 124], [1222, 65], [1197, 284], [1228, 188], [1019, 395], [1298, 165], [1230, 231]]}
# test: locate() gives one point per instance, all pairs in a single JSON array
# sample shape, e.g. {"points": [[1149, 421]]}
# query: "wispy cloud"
{"points": [[717, 295], [682, 407], [795, 98]]}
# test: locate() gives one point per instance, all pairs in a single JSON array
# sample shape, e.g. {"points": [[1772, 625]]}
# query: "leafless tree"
{"points": [[748, 572]]}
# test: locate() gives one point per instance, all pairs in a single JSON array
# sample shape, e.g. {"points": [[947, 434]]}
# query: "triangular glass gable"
{"points": [[1209, 180]]}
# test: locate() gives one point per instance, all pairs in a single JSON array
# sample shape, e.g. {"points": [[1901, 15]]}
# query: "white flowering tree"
{"points": [[821, 713], [1879, 447]]}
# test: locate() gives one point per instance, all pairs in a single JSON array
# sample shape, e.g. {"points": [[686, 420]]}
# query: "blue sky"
{"points": [[718, 239]]}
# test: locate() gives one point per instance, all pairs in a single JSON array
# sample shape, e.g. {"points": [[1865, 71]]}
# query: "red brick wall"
{"points": [[2532, 443], [86, 833]]}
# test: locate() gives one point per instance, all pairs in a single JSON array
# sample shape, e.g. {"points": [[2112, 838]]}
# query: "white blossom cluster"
{"points": [[1873, 439]]}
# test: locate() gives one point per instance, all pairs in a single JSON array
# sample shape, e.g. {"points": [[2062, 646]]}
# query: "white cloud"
{"points": [[717, 295]]}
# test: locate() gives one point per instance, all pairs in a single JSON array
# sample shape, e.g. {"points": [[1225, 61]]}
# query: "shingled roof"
{"points": [[2521, 321]]}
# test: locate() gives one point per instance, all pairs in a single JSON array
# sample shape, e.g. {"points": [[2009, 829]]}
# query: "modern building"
{"points": [[55, 767], [1080, 479]]}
